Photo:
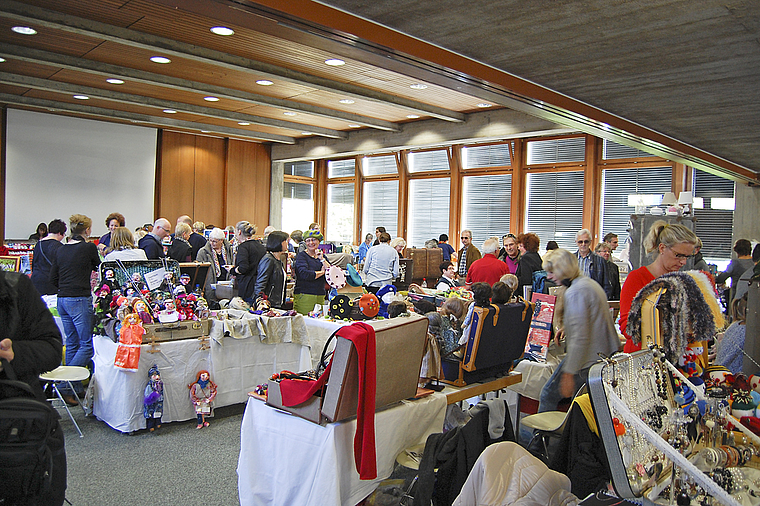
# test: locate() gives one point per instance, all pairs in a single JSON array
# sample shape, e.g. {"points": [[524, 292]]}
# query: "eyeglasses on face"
{"points": [[464, 237], [583, 241], [680, 256]]}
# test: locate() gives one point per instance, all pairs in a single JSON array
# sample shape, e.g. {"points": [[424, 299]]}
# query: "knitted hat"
{"points": [[153, 370], [313, 234]]}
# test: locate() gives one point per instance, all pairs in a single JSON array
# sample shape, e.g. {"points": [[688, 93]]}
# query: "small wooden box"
{"points": [[190, 329]]}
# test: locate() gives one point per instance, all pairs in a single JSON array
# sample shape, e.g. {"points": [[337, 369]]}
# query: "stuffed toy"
{"points": [[142, 311], [386, 295], [153, 399], [202, 394], [170, 313]]}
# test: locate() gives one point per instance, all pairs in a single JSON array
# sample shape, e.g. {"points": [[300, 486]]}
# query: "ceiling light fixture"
{"points": [[243, 123], [205, 131], [24, 30], [306, 133], [211, 99], [222, 30], [170, 111], [334, 62], [418, 86], [412, 116], [346, 101], [289, 113], [81, 97], [160, 59], [485, 104], [2, 60], [354, 125], [114, 81], [264, 82]]}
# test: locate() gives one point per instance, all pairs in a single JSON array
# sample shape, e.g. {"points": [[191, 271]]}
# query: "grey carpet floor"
{"points": [[176, 465]]}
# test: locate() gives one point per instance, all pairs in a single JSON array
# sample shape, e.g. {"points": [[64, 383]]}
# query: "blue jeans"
{"points": [[77, 316], [550, 396]]}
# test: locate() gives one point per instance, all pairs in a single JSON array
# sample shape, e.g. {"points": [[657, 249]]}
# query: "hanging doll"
{"points": [[130, 340], [201, 309], [202, 394], [109, 279], [153, 399]]}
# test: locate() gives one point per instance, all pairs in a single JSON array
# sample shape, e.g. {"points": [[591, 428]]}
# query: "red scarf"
{"points": [[295, 392]]}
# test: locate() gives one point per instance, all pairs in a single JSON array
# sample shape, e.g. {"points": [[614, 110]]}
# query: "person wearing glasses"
{"points": [[467, 255], [218, 252], [674, 245], [510, 253], [152, 242], [591, 264]]}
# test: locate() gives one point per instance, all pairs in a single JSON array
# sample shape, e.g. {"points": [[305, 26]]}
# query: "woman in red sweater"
{"points": [[674, 245]]}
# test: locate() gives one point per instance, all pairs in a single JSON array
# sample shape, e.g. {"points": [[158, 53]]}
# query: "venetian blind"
{"points": [[428, 210], [614, 151], [340, 212], [341, 168], [379, 165], [490, 155], [305, 169], [380, 206], [617, 184], [486, 202], [714, 226], [424, 161], [572, 149], [297, 206], [555, 207]]}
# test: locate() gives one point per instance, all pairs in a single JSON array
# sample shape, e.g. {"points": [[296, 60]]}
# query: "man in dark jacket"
{"points": [[591, 264], [152, 243]]}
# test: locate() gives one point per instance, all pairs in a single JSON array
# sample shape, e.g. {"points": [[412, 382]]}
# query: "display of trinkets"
{"points": [[668, 442]]}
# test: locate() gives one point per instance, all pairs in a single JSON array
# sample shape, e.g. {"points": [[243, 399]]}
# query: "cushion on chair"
{"points": [[547, 421]]}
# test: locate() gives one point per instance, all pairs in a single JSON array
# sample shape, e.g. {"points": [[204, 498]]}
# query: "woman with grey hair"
{"points": [[584, 316], [218, 253]]}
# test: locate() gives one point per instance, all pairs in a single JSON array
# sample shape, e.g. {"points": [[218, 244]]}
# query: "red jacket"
{"points": [[488, 269]]}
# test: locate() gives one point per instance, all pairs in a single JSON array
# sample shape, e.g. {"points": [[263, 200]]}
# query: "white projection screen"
{"points": [[57, 166]]}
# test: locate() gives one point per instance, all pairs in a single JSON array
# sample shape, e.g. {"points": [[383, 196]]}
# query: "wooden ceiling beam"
{"points": [[89, 28]]}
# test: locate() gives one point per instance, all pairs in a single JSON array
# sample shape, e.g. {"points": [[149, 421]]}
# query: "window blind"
{"points": [[555, 207], [571, 149], [380, 206], [379, 165], [490, 155], [341, 168], [423, 161], [299, 169], [614, 151], [340, 212], [486, 202], [297, 206], [714, 226], [428, 210], [617, 184]]}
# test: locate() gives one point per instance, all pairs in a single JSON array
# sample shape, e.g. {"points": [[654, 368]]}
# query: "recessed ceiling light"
{"points": [[264, 82], [346, 101], [205, 131], [2, 60], [412, 116], [114, 81], [170, 111], [418, 86], [354, 125], [160, 59], [211, 99], [289, 113], [485, 104], [306, 133], [335, 62], [243, 123], [222, 30], [81, 97], [24, 30]]}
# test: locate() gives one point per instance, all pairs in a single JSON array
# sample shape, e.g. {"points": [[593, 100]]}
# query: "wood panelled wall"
{"points": [[217, 181]]}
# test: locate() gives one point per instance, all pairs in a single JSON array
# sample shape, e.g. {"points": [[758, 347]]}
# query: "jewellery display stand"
{"points": [[645, 434]]}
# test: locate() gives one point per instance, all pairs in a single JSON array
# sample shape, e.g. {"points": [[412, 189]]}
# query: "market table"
{"points": [[236, 365], [288, 460]]}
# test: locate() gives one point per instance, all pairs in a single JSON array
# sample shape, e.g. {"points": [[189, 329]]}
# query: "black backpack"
{"points": [[31, 446]]}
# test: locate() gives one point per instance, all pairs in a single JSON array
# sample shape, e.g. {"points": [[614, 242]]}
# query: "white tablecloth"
{"points": [[236, 366], [285, 460]]}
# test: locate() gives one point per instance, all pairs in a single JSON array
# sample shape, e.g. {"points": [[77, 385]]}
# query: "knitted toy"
{"points": [[153, 399], [202, 394], [386, 295]]}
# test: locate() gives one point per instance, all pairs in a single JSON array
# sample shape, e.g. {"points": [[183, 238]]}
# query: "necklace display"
{"points": [[670, 453]]}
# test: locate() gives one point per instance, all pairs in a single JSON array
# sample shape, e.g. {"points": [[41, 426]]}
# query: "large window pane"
{"points": [[428, 210], [489, 155], [617, 184], [380, 207], [428, 160], [555, 207], [340, 212], [305, 169], [341, 168], [714, 226], [614, 151], [557, 150], [486, 202], [379, 165], [297, 206]]}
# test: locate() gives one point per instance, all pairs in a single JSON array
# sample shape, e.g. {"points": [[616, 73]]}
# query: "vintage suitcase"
{"points": [[141, 266], [309, 410], [497, 338], [190, 329]]}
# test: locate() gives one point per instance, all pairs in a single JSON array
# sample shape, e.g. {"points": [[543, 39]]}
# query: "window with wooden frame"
{"points": [[715, 221], [298, 196], [554, 209], [340, 200]]}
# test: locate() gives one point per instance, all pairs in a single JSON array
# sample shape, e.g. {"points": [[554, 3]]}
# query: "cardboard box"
{"points": [[158, 332]]}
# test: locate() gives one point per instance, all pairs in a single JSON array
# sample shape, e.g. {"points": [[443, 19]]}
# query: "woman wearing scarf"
{"points": [[310, 266], [218, 252]]}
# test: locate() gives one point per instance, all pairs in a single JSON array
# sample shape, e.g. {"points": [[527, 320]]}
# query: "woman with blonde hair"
{"points": [[674, 245], [123, 246]]}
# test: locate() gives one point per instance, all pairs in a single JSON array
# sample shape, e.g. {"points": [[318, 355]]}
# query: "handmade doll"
{"points": [[124, 309], [130, 340], [153, 399], [142, 311], [184, 279], [103, 300], [169, 314], [136, 281], [110, 280], [202, 394], [201, 309]]}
